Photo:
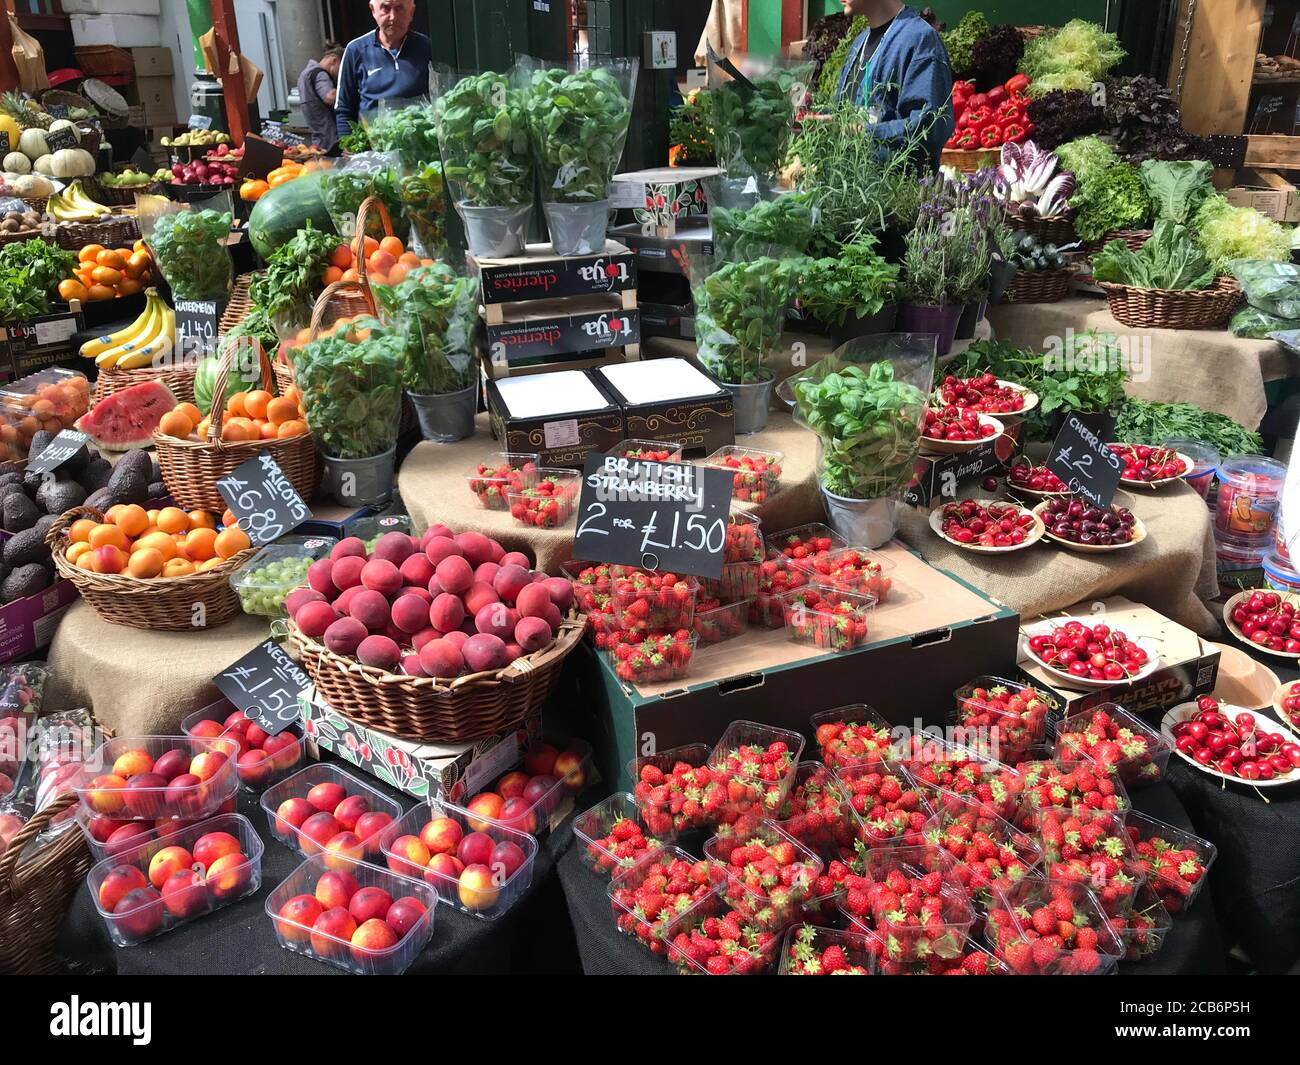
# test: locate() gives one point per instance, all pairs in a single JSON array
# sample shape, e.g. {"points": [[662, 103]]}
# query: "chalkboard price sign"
{"points": [[197, 323], [61, 138], [66, 444], [1085, 462], [265, 684], [263, 499], [658, 515]]}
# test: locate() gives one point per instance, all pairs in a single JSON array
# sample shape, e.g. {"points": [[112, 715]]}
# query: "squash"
{"points": [[31, 142], [43, 165], [282, 211], [64, 123], [87, 161], [18, 163], [66, 163]]}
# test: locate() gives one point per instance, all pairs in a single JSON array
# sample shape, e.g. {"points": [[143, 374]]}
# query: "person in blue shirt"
{"points": [[898, 67], [389, 63]]}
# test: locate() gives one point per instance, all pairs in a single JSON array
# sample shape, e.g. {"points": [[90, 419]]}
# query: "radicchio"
{"points": [[1033, 185]]}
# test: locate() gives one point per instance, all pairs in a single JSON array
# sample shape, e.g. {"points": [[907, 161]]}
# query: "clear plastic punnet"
{"points": [[649, 450], [1176, 862], [281, 754], [803, 952], [734, 762], [615, 837], [755, 473], [1010, 933], [644, 902], [917, 913], [1118, 742], [855, 734], [769, 874], [664, 784], [829, 619], [310, 812], [157, 778], [502, 472], [1091, 847]]}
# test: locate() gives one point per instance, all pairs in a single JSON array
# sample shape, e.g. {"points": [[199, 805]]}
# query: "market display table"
{"points": [[140, 682], [1193, 945], [1208, 367], [1171, 571]]}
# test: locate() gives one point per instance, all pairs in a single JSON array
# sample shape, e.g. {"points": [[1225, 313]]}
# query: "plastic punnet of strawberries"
{"points": [[811, 951], [1050, 785], [656, 658], [981, 393], [757, 776], [1145, 463], [891, 809], [853, 735], [942, 767], [649, 450], [1024, 474], [806, 541], [990, 852], [623, 841], [1051, 928], [491, 482], [1090, 847], [956, 425], [675, 791], [776, 577], [815, 812], [973, 960], [854, 569], [722, 944], [828, 618], [549, 503], [1267, 619], [592, 585], [755, 474], [968, 521], [1001, 718], [919, 911], [1174, 862], [769, 874], [649, 897], [1143, 929], [715, 621], [744, 541], [651, 601], [1089, 652], [1116, 741]]}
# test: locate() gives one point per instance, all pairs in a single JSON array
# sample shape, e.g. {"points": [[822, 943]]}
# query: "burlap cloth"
{"points": [[139, 682], [1208, 367], [1171, 571]]}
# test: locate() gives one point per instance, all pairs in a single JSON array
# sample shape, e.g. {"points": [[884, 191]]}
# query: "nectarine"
{"points": [[139, 913], [129, 763], [340, 848], [326, 796], [370, 825], [117, 882], [317, 831], [405, 913], [184, 894], [335, 922], [475, 849], [372, 937], [368, 903], [442, 835], [213, 845], [336, 888], [107, 794], [349, 811], [167, 861], [291, 813], [485, 804], [476, 889], [511, 786], [229, 875], [296, 917], [408, 849]]}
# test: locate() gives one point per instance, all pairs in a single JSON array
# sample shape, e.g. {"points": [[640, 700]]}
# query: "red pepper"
{"points": [[966, 140], [1010, 112], [1014, 132], [996, 95], [990, 136], [980, 99], [976, 118], [1017, 84]]}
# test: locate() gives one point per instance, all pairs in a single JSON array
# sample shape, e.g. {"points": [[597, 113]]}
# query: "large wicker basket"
{"points": [[238, 306], [342, 299], [35, 894], [1156, 308], [970, 160], [180, 379], [1134, 238], [434, 711], [115, 231], [191, 468], [1056, 230], [166, 603], [1039, 286]]}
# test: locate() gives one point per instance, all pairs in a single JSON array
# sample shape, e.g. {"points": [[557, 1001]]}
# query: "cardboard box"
{"points": [[593, 422], [26, 625], [44, 341], [125, 31], [663, 198], [667, 255], [152, 62], [1268, 192], [110, 7], [675, 320], [700, 417], [543, 330], [934, 635], [155, 96], [541, 274], [422, 770], [1189, 666], [943, 476]]}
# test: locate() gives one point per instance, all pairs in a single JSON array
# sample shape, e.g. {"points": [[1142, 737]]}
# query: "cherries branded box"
{"points": [[559, 416], [671, 399]]}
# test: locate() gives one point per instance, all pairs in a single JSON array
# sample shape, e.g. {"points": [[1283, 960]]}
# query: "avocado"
{"points": [[16, 489], [76, 463], [99, 499], [19, 512], [40, 441], [96, 473], [24, 581], [129, 482], [157, 490], [54, 497], [26, 547], [15, 477], [42, 526]]}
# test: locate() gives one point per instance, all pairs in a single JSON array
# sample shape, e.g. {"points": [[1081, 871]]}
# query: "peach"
{"points": [[101, 826], [291, 813], [118, 882], [476, 889], [344, 602], [438, 548], [404, 914], [407, 849], [421, 593], [497, 619], [372, 937], [381, 652], [455, 574], [475, 849], [254, 767], [446, 612], [139, 913], [484, 804], [284, 749], [348, 547], [442, 835], [334, 924], [510, 581], [560, 591], [172, 764], [484, 651], [349, 811], [314, 618], [410, 665], [381, 575], [513, 651], [213, 845], [511, 786], [416, 570], [393, 547], [533, 600], [320, 577], [507, 859], [229, 875], [457, 638], [317, 831], [568, 766], [443, 866], [126, 837], [327, 796], [347, 572], [370, 825], [514, 558], [532, 634], [340, 848], [296, 918], [167, 861], [441, 658], [476, 547], [540, 760], [144, 794], [206, 730], [344, 636], [371, 609], [300, 597], [336, 888], [207, 764], [518, 813], [369, 903], [184, 894], [486, 572], [410, 614], [107, 793]]}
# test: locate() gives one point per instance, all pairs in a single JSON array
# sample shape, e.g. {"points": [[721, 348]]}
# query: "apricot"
{"points": [[410, 613], [107, 536], [75, 551], [201, 544], [336, 888], [146, 564], [347, 572], [381, 576], [174, 423], [109, 559], [79, 530], [455, 574], [416, 570], [231, 541], [156, 541]]}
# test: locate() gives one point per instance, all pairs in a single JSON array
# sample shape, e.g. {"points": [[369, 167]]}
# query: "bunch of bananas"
{"points": [[73, 205], [138, 344]]}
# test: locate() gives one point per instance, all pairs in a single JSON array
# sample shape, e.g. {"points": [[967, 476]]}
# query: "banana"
{"points": [[92, 349], [153, 326], [159, 345], [81, 199], [64, 210]]}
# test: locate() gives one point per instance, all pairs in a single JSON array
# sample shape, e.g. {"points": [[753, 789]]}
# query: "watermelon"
{"points": [[287, 208], [127, 419]]}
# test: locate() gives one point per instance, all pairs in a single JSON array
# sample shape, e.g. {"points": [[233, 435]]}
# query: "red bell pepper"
{"points": [[966, 140], [991, 135], [996, 95], [1017, 84], [1015, 132], [980, 99], [975, 118], [1010, 111]]}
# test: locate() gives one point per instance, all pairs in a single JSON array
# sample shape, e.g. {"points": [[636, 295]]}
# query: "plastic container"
{"points": [[1008, 931], [747, 960], [265, 579], [865, 737], [593, 582], [495, 883], [990, 964], [547, 808], [372, 528], [22, 691], [816, 812], [599, 829], [1043, 777], [1250, 495], [661, 797], [853, 569], [829, 619], [648, 931], [366, 841], [1140, 759], [740, 746], [905, 941], [722, 623], [284, 757], [813, 540], [756, 474], [992, 729], [51, 399], [942, 768], [1280, 575], [651, 450], [960, 826], [500, 473], [104, 792], [336, 950], [776, 577], [98, 828], [140, 911], [1146, 926], [548, 502], [770, 909], [653, 660], [1177, 893], [804, 945], [639, 605], [1205, 461], [1115, 882], [887, 822]]}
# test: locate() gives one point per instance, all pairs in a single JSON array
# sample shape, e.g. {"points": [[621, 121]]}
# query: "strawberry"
{"points": [[811, 951], [919, 912], [807, 541], [491, 482], [716, 622], [828, 618], [1052, 785], [973, 960], [755, 474], [657, 657], [1003, 718], [623, 844], [648, 450], [853, 735], [990, 852], [1116, 742], [650, 897], [891, 810], [725, 946], [757, 778], [1174, 862], [768, 875], [1143, 931]]}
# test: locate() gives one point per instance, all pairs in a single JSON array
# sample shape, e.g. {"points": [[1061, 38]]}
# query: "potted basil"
{"points": [[852, 295], [487, 161], [578, 120], [435, 311], [866, 403]]}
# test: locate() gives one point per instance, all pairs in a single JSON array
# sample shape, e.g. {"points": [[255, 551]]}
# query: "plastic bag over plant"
{"points": [[424, 205], [435, 311], [367, 174], [1270, 286], [743, 231], [866, 403], [189, 247], [578, 120], [407, 127], [753, 126], [483, 132]]}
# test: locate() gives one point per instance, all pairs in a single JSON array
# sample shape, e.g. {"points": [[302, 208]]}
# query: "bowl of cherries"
{"points": [[1078, 525], [948, 430], [986, 526], [1267, 619], [1234, 744], [985, 394], [1090, 654], [1286, 702], [1036, 482], [1151, 467]]}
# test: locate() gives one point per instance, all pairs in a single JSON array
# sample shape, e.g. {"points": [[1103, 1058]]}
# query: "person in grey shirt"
{"points": [[316, 90]]}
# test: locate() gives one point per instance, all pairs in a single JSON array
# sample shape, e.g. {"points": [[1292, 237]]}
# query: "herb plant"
{"points": [[410, 131], [1145, 118], [950, 249], [483, 131], [436, 311], [1141, 422], [753, 126], [690, 130], [422, 196], [292, 275], [30, 272], [189, 247], [346, 187], [1065, 115], [745, 233], [578, 120], [859, 283], [739, 315]]}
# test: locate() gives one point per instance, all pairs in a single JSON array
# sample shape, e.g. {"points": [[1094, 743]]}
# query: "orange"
{"points": [[146, 563], [293, 427], [191, 412], [138, 264], [281, 409], [132, 520], [231, 541], [157, 541], [255, 403], [79, 533], [107, 536], [236, 429], [99, 291], [106, 275], [341, 257], [268, 430], [111, 258], [178, 567], [72, 289], [90, 253], [175, 423], [201, 519], [130, 287], [201, 544], [75, 551], [392, 245], [173, 520]]}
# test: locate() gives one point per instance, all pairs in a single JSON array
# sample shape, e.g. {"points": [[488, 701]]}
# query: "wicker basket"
{"points": [[433, 711], [115, 232], [1056, 230], [35, 894], [1157, 308], [19, 237], [163, 603], [36, 203], [1134, 238], [180, 379], [342, 299], [237, 306], [111, 195], [1039, 286], [969, 160], [191, 468]]}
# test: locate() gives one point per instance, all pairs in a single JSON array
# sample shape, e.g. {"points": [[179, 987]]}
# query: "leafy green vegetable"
{"points": [[690, 129], [1111, 200], [1227, 233], [352, 388], [739, 315], [30, 272], [1176, 189], [1076, 56], [960, 42], [190, 250], [346, 187], [437, 312], [1141, 422], [744, 233], [1255, 324], [422, 195], [1169, 259], [410, 131], [1271, 286], [1087, 158], [292, 274], [858, 283], [355, 141], [869, 423], [578, 121], [483, 130], [753, 127]]}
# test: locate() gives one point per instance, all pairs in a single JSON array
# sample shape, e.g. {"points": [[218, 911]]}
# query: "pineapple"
{"points": [[25, 112]]}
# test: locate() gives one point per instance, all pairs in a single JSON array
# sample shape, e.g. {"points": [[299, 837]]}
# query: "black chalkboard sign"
{"points": [[659, 515], [265, 684], [263, 499], [197, 323], [66, 444], [4, 141], [61, 138], [1087, 465]]}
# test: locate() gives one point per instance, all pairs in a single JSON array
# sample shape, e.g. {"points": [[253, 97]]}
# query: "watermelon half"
{"points": [[127, 419]]}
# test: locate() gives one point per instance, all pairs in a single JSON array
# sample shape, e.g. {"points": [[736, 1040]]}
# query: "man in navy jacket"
{"points": [[389, 63], [899, 69]]}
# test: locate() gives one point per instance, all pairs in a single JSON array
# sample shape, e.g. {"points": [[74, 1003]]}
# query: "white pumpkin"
{"points": [[67, 163], [63, 123], [44, 165], [31, 142], [18, 163], [87, 161]]}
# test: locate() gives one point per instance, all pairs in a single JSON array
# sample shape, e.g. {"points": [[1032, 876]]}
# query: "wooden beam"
{"points": [[1220, 64], [232, 85], [792, 22], [1273, 150]]}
